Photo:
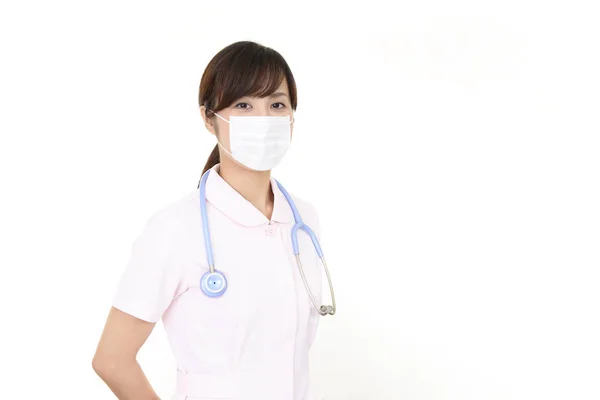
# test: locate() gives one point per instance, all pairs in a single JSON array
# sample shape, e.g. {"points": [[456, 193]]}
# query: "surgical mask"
{"points": [[258, 142]]}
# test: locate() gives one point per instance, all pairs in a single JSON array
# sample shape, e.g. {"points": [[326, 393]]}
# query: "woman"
{"points": [[241, 328]]}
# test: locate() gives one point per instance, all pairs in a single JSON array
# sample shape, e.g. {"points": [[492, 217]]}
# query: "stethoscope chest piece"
{"points": [[213, 284]]}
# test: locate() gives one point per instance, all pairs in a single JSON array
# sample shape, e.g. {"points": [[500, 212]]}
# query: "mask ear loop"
{"points": [[219, 116], [218, 141]]}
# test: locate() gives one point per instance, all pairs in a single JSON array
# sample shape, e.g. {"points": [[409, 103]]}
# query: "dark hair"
{"points": [[242, 69]]}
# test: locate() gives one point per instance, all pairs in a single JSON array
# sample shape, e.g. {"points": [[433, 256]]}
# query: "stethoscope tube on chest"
{"points": [[214, 284]]}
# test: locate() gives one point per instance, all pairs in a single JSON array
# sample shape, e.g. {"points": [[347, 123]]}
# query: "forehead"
{"points": [[282, 88]]}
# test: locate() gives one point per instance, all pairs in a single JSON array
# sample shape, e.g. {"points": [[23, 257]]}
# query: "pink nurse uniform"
{"points": [[253, 342]]}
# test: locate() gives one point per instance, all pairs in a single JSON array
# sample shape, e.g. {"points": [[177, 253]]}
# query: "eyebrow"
{"points": [[279, 94]]}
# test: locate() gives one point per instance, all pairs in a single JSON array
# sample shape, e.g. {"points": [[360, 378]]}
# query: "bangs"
{"points": [[251, 71], [258, 80]]}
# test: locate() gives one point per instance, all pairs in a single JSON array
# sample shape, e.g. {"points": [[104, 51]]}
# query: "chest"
{"points": [[266, 306], [262, 272]]}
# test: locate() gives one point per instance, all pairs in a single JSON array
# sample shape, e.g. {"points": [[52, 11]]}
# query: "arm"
{"points": [[115, 359]]}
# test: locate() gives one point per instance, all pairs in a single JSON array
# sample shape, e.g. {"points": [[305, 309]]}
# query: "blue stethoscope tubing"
{"points": [[214, 284]]}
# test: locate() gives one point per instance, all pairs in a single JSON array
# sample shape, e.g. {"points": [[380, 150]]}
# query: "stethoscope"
{"points": [[214, 283]]}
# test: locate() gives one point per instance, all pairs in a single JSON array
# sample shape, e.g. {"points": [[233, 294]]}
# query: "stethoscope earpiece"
{"points": [[327, 310]]}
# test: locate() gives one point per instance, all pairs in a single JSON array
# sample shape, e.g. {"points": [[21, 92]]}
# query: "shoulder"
{"points": [[173, 218], [304, 205], [307, 210]]}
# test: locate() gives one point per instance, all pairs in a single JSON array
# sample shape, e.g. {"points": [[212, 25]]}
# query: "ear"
{"points": [[209, 123]]}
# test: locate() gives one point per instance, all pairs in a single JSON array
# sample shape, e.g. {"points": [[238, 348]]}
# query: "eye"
{"points": [[242, 105], [281, 106]]}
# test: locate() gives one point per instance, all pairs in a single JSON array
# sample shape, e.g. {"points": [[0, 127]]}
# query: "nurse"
{"points": [[242, 327]]}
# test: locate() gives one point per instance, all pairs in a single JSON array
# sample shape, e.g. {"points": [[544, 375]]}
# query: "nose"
{"points": [[263, 109]]}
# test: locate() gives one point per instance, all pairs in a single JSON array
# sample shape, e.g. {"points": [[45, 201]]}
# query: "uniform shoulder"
{"points": [[303, 203], [176, 213], [307, 209]]}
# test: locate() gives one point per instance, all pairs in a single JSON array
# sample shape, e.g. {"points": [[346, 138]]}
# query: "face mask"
{"points": [[258, 142]]}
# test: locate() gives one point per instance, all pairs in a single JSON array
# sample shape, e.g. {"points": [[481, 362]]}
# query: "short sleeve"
{"points": [[152, 275]]}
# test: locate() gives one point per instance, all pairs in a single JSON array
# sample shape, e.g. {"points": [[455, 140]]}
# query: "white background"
{"points": [[451, 148]]}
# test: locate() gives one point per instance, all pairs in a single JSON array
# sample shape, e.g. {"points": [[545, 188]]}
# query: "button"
{"points": [[270, 231]]}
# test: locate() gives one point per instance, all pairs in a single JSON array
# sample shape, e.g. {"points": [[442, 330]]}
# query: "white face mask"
{"points": [[258, 142]]}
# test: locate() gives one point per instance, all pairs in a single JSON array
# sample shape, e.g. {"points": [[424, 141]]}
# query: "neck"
{"points": [[254, 186]]}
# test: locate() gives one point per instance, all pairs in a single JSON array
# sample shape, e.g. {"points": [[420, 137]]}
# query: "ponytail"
{"points": [[213, 159]]}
